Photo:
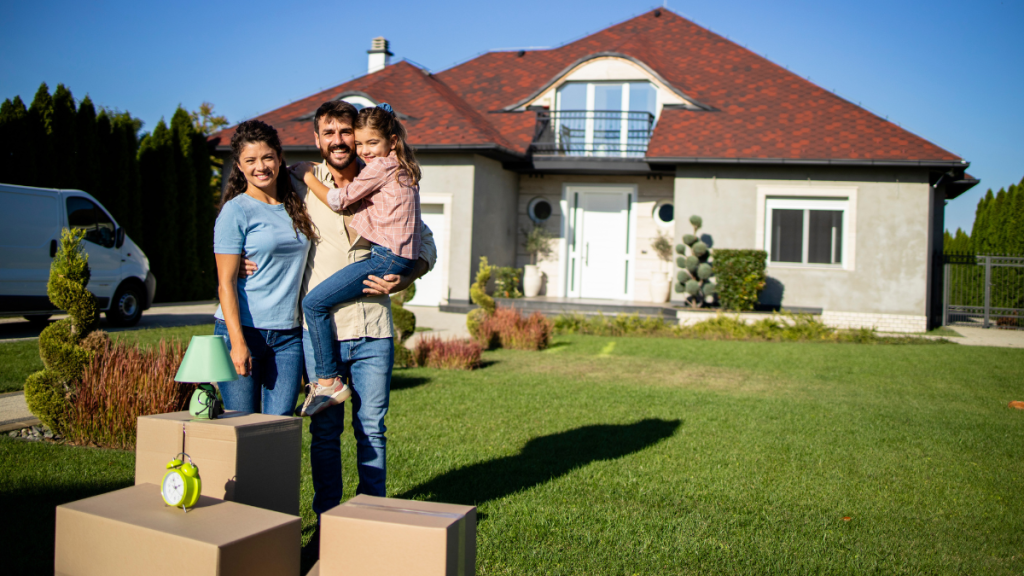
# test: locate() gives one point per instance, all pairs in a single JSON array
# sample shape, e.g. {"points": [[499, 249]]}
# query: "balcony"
{"points": [[593, 133]]}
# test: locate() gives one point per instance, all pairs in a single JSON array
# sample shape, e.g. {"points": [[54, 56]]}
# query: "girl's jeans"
{"points": [[344, 286], [272, 386]]}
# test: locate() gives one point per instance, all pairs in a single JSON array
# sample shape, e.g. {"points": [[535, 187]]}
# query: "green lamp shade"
{"points": [[206, 360]]}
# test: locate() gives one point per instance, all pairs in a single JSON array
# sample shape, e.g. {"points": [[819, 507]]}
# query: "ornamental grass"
{"points": [[453, 354], [508, 328], [122, 383]]}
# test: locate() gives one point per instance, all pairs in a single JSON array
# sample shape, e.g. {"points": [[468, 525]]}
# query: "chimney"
{"points": [[380, 56]]}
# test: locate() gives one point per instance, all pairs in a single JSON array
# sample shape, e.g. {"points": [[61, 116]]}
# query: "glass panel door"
{"points": [[607, 131], [570, 124]]}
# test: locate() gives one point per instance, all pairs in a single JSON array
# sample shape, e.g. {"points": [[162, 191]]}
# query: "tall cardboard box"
{"points": [[392, 537], [131, 531], [252, 459]]}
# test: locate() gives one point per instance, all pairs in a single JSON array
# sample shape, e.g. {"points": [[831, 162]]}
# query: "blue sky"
{"points": [[948, 71]]}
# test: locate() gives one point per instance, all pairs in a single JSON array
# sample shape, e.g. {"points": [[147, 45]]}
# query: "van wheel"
{"points": [[38, 318], [126, 309]]}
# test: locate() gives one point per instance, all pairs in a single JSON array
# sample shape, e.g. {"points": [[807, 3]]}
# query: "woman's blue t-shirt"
{"points": [[269, 299]]}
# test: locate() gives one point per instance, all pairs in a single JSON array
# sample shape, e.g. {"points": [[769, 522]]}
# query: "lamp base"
{"points": [[204, 404]]}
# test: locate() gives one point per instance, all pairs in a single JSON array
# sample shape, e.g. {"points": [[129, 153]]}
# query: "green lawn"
{"points": [[19, 359], [664, 456]]}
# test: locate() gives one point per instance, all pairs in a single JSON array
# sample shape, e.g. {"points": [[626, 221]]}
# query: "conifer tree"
{"points": [[159, 182], [128, 180], [105, 158], [205, 216], [88, 153], [38, 141], [979, 232], [181, 138], [61, 129], [17, 163]]}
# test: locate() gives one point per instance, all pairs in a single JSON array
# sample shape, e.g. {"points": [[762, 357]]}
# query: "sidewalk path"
{"points": [[159, 316], [444, 324], [14, 413], [988, 337]]}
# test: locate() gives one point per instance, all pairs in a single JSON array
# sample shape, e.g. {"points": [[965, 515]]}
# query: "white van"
{"points": [[31, 220]]}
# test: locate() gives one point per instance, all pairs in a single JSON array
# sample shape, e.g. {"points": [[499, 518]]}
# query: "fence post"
{"points": [[988, 288], [945, 294]]}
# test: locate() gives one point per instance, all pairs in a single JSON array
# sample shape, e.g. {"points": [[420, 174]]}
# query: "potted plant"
{"points": [[661, 284], [538, 246]]}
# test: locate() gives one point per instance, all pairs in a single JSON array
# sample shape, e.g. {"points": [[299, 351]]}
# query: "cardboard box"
{"points": [[391, 537], [252, 459], [132, 532]]}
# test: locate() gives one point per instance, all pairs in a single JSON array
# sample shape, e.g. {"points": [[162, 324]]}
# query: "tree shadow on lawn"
{"points": [[541, 460], [29, 522], [400, 381]]}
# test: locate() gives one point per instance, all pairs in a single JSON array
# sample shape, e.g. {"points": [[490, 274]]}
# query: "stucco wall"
{"points": [[494, 209], [453, 175], [890, 270], [650, 189]]}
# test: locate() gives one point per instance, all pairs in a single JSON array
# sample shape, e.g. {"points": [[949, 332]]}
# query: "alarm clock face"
{"points": [[173, 488]]}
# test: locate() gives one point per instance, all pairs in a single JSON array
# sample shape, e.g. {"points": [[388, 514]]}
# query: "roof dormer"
{"points": [[608, 68]]}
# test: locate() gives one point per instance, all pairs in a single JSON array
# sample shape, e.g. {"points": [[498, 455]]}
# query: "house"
{"points": [[627, 132]]}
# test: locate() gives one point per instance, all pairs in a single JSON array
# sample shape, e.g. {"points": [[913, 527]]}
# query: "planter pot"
{"points": [[531, 280], [661, 287]]}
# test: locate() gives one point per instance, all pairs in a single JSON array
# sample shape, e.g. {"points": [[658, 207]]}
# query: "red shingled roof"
{"points": [[436, 115], [758, 110]]}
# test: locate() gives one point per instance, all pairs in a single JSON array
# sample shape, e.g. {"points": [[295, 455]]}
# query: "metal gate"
{"points": [[984, 291]]}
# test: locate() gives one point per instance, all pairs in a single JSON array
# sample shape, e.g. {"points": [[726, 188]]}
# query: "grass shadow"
{"points": [[401, 381], [541, 460]]}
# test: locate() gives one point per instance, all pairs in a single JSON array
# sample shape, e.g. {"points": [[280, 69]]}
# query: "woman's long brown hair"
{"points": [[253, 131], [387, 125]]}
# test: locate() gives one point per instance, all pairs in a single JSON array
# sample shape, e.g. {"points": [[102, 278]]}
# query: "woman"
{"points": [[263, 217]]}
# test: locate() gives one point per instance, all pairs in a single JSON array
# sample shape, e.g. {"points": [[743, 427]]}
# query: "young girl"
{"points": [[386, 204]]}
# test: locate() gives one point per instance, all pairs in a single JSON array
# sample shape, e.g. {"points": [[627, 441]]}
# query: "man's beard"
{"points": [[326, 155]]}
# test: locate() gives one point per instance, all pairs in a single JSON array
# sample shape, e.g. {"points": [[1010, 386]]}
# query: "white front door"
{"points": [[430, 289], [602, 258]]}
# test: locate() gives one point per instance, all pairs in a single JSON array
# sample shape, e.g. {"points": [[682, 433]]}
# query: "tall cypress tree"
{"points": [[185, 200], [61, 129], [38, 141], [979, 232], [205, 216], [159, 209], [105, 158], [17, 163], [1016, 245], [88, 152]]}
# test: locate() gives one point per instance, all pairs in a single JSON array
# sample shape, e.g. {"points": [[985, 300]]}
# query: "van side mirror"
{"points": [[119, 235]]}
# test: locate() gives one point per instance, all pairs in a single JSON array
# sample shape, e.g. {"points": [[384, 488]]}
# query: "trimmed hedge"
{"points": [[740, 276]]}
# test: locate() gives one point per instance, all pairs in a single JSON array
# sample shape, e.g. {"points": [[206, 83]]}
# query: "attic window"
{"points": [[359, 102]]}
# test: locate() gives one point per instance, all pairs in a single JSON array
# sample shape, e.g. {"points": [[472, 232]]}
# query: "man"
{"points": [[363, 329]]}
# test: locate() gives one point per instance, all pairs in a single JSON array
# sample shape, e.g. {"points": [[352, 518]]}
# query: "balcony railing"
{"points": [[606, 133]]}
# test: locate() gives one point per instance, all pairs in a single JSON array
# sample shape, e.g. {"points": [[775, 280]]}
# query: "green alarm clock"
{"points": [[181, 484]]}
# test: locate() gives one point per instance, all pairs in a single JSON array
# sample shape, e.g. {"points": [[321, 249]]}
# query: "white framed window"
{"points": [[539, 210], [664, 213], [359, 102], [807, 231]]}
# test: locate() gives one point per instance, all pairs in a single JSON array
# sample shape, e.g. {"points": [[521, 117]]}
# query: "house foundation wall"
{"points": [[835, 319]]}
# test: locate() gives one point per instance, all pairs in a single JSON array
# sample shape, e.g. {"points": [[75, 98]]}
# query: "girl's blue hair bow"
{"points": [[386, 107]]}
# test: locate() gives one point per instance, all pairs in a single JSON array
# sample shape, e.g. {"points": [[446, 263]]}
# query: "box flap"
{"points": [[405, 512], [212, 521]]}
